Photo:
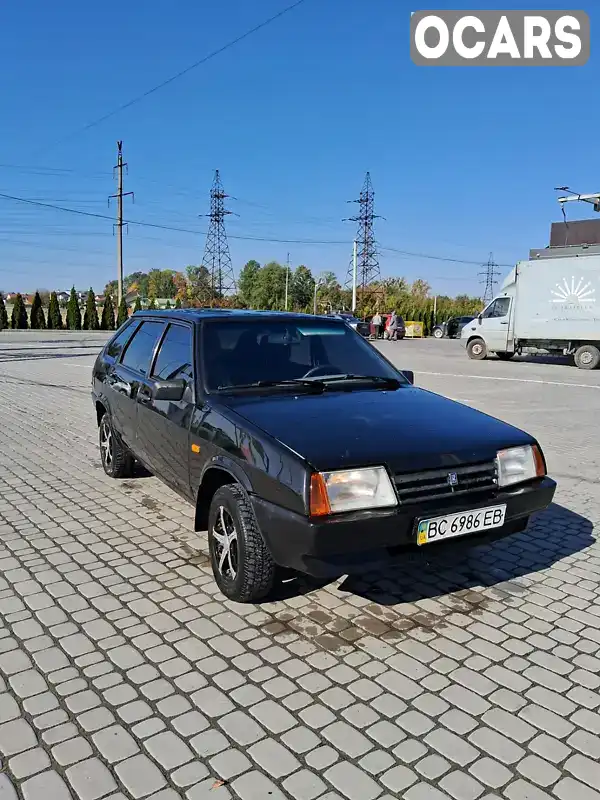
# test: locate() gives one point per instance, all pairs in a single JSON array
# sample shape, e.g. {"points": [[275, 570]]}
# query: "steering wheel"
{"points": [[322, 369]]}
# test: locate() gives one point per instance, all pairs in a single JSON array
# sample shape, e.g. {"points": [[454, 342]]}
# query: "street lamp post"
{"points": [[318, 282]]}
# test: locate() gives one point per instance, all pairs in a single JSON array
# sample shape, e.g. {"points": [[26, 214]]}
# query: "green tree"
{"points": [[90, 317], [269, 291], [138, 304], [3, 314], [330, 291], [152, 304], [122, 313], [18, 319], [247, 282], [420, 288], [199, 292], [168, 304], [107, 323], [37, 320], [178, 303], [302, 288], [55, 321], [73, 312]]}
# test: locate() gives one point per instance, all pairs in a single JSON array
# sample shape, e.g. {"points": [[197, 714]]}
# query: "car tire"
{"points": [[476, 350], [117, 461], [245, 572], [587, 357], [438, 333], [504, 356]]}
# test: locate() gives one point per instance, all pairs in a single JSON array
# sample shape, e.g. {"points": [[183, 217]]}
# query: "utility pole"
{"points": [[118, 170], [489, 278], [354, 274], [317, 284], [287, 280], [368, 260], [435, 310]]}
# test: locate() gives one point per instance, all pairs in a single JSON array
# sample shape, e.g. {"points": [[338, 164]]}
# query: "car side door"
{"points": [[112, 391], [162, 430], [129, 373], [495, 327]]}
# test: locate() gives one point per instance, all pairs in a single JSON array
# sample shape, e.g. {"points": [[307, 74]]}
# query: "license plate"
{"points": [[438, 529]]}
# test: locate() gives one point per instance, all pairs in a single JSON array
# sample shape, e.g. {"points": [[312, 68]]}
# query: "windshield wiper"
{"points": [[390, 383], [310, 384]]}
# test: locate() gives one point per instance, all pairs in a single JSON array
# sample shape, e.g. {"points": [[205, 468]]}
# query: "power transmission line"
{"points": [[175, 77], [489, 279], [141, 223]]}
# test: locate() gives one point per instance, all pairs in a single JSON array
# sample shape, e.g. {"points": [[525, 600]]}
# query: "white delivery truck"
{"points": [[548, 305]]}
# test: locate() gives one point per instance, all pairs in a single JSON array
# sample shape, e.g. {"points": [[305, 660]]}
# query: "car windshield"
{"points": [[250, 351]]}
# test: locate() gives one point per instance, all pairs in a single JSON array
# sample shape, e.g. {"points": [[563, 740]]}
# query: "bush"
{"points": [[37, 320], [123, 312], [3, 315], [138, 304], [152, 304], [18, 319], [178, 302], [73, 312], [107, 323], [55, 321], [90, 318]]}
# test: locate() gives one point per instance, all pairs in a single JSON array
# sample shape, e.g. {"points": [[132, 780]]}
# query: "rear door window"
{"points": [[174, 359], [138, 355]]}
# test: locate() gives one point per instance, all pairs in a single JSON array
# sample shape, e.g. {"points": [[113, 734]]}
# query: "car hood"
{"points": [[409, 429]]}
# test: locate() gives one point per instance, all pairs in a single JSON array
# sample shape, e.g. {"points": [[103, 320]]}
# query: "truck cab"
{"points": [[492, 331]]}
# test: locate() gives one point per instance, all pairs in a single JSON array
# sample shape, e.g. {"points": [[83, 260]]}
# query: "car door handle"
{"points": [[504, 323]]}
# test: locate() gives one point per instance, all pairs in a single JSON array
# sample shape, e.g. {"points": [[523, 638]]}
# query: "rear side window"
{"points": [[174, 359], [139, 351], [116, 347]]}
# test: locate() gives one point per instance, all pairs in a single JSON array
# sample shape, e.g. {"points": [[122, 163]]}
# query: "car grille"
{"points": [[440, 484]]}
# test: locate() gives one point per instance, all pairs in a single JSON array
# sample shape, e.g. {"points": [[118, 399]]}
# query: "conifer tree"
{"points": [[152, 304], [73, 312], [107, 322], [138, 304], [37, 320], [55, 321], [123, 312], [90, 317], [18, 318], [3, 314]]}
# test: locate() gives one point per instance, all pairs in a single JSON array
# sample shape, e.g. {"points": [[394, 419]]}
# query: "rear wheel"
{"points": [[587, 357], [243, 567], [504, 356], [477, 350], [117, 461]]}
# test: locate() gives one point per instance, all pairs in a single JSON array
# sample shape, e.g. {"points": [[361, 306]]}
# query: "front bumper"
{"points": [[354, 542]]}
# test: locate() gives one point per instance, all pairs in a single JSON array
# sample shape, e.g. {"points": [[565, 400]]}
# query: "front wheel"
{"points": [[477, 350], [587, 357], [438, 333], [117, 461], [242, 565]]}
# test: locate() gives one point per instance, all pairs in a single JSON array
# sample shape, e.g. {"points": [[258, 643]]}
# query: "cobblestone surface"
{"points": [[125, 673]]}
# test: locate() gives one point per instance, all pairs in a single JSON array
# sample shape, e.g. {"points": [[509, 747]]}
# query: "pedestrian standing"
{"points": [[376, 323]]}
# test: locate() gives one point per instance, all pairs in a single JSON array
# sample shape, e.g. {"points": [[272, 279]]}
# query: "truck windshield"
{"points": [[246, 352]]}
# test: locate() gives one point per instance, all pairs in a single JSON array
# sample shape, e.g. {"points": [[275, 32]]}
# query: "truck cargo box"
{"points": [[558, 298]]}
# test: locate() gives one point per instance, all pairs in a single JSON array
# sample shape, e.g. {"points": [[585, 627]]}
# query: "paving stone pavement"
{"points": [[125, 673]]}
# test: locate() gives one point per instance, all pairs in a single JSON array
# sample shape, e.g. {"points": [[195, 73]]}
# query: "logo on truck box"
{"points": [[574, 293]]}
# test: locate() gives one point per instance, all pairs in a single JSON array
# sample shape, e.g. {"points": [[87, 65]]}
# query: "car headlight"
{"points": [[518, 464], [350, 490]]}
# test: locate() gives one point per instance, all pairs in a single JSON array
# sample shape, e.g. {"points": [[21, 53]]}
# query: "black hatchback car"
{"points": [[301, 446], [451, 328]]}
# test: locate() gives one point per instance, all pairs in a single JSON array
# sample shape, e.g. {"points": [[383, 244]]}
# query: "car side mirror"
{"points": [[169, 390], [479, 319], [409, 375]]}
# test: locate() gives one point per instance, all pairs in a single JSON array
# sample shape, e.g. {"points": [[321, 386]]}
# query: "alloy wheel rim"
{"points": [[224, 534], [106, 444], [586, 358]]}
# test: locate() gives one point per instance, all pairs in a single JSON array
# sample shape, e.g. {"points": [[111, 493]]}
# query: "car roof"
{"points": [[228, 314]]}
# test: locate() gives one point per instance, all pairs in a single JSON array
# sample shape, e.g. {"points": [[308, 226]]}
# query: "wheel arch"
{"points": [[218, 472], [101, 409]]}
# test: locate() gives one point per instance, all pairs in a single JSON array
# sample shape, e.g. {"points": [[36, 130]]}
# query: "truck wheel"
{"points": [[587, 357], [438, 333], [504, 356], [117, 461], [243, 567], [477, 350]]}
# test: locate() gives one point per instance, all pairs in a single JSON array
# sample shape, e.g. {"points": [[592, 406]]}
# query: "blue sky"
{"points": [[463, 160]]}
